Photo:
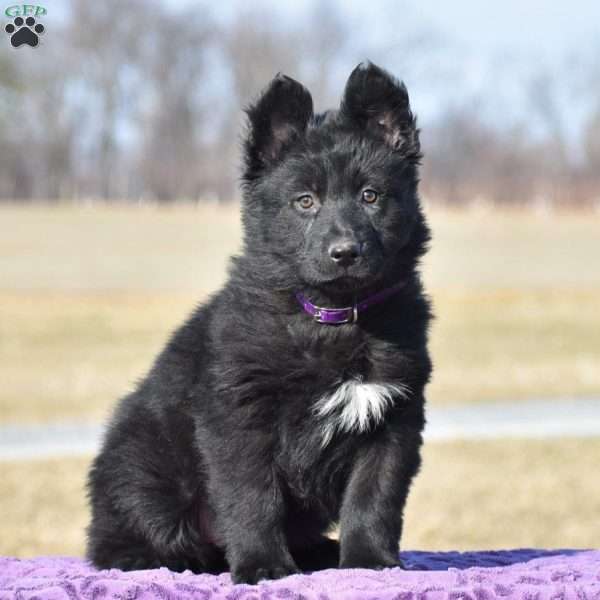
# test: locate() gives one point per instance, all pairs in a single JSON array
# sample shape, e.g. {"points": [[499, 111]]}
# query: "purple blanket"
{"points": [[522, 574]]}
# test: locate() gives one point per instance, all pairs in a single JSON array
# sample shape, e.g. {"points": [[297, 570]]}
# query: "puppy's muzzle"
{"points": [[345, 253]]}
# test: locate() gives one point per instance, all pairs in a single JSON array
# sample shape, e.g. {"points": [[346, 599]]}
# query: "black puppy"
{"points": [[293, 399]]}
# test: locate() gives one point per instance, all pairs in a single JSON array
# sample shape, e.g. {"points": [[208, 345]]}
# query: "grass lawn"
{"points": [[469, 495], [89, 295], [71, 356]]}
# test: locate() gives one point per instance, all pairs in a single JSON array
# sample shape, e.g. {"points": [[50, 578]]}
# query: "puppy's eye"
{"points": [[305, 201], [370, 196]]}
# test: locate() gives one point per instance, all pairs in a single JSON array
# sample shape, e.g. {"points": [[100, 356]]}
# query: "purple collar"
{"points": [[349, 314]]}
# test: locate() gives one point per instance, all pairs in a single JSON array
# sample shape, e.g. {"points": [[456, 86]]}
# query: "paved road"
{"points": [[531, 419]]}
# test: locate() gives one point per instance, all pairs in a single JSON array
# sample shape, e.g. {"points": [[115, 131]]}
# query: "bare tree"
{"points": [[171, 163], [114, 108], [108, 48]]}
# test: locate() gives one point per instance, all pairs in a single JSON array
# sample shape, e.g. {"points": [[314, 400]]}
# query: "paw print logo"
{"points": [[24, 32]]}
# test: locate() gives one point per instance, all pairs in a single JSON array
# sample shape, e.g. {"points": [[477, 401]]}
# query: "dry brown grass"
{"points": [[469, 495], [512, 345], [493, 249], [88, 296], [503, 494], [72, 356], [63, 249], [185, 248]]}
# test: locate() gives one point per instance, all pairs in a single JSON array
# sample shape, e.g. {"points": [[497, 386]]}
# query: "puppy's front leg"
{"points": [[371, 514], [250, 510]]}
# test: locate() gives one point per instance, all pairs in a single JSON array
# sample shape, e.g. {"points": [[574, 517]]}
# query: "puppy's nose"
{"points": [[344, 253]]}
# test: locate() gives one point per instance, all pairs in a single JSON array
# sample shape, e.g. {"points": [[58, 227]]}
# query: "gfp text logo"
{"points": [[24, 29]]}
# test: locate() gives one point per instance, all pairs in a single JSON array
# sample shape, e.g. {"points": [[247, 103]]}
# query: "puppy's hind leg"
{"points": [[118, 550], [146, 511], [121, 549]]}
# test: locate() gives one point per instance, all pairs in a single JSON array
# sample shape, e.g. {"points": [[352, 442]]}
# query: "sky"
{"points": [[541, 27], [544, 28], [475, 46]]}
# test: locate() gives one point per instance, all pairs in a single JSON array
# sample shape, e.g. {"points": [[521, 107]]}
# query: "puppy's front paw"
{"points": [[253, 572]]}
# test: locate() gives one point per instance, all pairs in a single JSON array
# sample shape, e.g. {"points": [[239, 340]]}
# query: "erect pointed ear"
{"points": [[275, 122], [378, 104]]}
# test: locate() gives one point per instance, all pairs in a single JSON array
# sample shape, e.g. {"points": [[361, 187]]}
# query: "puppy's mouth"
{"points": [[346, 280]]}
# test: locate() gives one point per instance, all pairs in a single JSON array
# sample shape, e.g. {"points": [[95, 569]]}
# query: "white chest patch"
{"points": [[355, 407]]}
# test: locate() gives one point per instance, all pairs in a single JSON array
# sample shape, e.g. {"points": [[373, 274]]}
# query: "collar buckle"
{"points": [[320, 315]]}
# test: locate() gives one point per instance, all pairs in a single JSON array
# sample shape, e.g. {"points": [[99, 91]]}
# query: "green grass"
{"points": [[89, 295], [469, 495]]}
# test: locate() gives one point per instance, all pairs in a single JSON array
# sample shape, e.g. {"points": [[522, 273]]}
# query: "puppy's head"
{"points": [[330, 200]]}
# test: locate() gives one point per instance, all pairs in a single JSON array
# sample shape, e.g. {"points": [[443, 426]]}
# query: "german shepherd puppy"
{"points": [[293, 399]]}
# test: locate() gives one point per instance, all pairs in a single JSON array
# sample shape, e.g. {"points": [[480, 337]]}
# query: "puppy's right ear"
{"points": [[277, 120]]}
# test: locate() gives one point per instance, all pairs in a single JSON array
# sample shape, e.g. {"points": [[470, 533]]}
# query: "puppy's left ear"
{"points": [[378, 104], [275, 122]]}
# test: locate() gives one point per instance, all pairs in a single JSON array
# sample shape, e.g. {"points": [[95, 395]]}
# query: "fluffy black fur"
{"points": [[216, 461]]}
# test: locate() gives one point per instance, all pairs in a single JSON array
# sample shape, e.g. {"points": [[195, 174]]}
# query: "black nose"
{"points": [[344, 253]]}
